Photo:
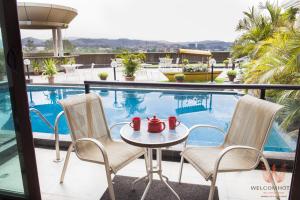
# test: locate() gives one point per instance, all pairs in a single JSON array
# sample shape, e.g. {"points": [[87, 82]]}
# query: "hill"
{"points": [[124, 43]]}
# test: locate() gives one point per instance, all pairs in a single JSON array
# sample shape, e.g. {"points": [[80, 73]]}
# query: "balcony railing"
{"points": [[192, 86]]}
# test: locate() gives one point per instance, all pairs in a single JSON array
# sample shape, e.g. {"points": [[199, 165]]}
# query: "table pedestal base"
{"points": [[153, 170]]}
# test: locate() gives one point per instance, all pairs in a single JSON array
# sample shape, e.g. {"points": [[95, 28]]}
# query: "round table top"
{"points": [[72, 65], [143, 138]]}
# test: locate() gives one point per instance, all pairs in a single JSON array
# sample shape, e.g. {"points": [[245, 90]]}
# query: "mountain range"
{"points": [[214, 45]]}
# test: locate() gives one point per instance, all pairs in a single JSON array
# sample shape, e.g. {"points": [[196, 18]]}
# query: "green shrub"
{"points": [[72, 61], [67, 61], [36, 66], [179, 77], [196, 68], [226, 62], [132, 63], [103, 75], [231, 73], [168, 56], [185, 61], [49, 67]]}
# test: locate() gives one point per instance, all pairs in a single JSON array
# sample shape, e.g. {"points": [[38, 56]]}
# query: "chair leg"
{"points": [[146, 162], [212, 188], [109, 182], [180, 170], [272, 178], [62, 176]]}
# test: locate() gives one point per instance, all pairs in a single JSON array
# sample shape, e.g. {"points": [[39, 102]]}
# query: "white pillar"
{"points": [[60, 42], [54, 38]]}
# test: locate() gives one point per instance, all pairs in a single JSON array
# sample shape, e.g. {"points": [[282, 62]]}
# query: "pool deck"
{"points": [[86, 181], [147, 75]]}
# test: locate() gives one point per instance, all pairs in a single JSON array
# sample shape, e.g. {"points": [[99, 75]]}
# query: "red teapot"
{"points": [[155, 125]]}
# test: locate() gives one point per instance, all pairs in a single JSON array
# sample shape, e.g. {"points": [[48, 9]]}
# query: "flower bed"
{"points": [[193, 76], [193, 73]]}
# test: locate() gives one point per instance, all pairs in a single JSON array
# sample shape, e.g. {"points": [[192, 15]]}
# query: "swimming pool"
{"points": [[121, 105]]}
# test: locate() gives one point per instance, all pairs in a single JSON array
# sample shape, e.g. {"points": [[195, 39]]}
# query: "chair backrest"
{"points": [[92, 65], [251, 122], [85, 116]]}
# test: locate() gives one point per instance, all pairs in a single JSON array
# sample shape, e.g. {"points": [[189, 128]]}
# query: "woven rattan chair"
{"points": [[243, 145], [91, 138]]}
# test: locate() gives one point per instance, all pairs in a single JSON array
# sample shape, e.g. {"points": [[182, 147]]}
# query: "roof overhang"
{"points": [[195, 52], [44, 16]]}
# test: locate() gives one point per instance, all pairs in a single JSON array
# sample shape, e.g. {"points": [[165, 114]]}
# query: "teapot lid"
{"points": [[154, 119]]}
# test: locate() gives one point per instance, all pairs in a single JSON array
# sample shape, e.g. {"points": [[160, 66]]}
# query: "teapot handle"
{"points": [[164, 126]]}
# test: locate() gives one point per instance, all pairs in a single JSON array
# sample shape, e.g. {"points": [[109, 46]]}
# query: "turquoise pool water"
{"points": [[121, 105]]}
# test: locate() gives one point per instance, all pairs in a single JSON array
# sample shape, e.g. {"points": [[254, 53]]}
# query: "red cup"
{"points": [[136, 123], [173, 123]]}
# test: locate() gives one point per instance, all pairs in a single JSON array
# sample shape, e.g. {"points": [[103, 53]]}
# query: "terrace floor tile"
{"points": [[87, 181]]}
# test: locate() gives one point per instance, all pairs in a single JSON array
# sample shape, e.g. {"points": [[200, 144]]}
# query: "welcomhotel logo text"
{"points": [[279, 177], [269, 187]]}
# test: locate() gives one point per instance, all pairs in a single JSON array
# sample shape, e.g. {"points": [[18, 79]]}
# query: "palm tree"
{"points": [[278, 60], [258, 26], [273, 44]]}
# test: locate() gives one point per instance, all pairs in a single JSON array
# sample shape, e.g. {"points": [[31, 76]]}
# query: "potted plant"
{"points": [[50, 70], [2, 65], [36, 67], [185, 61], [231, 75], [103, 75], [131, 63], [179, 77], [226, 62]]}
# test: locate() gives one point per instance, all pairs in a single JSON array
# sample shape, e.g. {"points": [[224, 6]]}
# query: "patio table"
{"points": [[69, 68], [152, 141]]}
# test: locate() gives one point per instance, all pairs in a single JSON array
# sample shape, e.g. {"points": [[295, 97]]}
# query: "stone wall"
{"points": [[104, 59], [152, 58]]}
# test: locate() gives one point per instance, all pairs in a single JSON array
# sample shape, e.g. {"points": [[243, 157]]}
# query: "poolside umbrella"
{"points": [[191, 53]]}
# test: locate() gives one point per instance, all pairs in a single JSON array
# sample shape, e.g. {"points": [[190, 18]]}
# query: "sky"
{"points": [[169, 20]]}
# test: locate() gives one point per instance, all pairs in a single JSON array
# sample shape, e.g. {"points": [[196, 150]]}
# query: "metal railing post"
{"points": [[56, 136], [87, 88], [54, 129], [36, 111], [262, 94]]}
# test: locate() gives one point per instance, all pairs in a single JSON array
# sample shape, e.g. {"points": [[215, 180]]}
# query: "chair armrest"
{"points": [[98, 144], [234, 147], [203, 126], [117, 124]]}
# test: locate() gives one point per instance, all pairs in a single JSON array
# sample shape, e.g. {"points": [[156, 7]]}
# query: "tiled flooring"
{"points": [[87, 74], [86, 181]]}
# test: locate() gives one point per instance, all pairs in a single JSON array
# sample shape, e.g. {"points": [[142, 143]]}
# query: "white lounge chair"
{"points": [[91, 137], [89, 74], [92, 71], [243, 145]]}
